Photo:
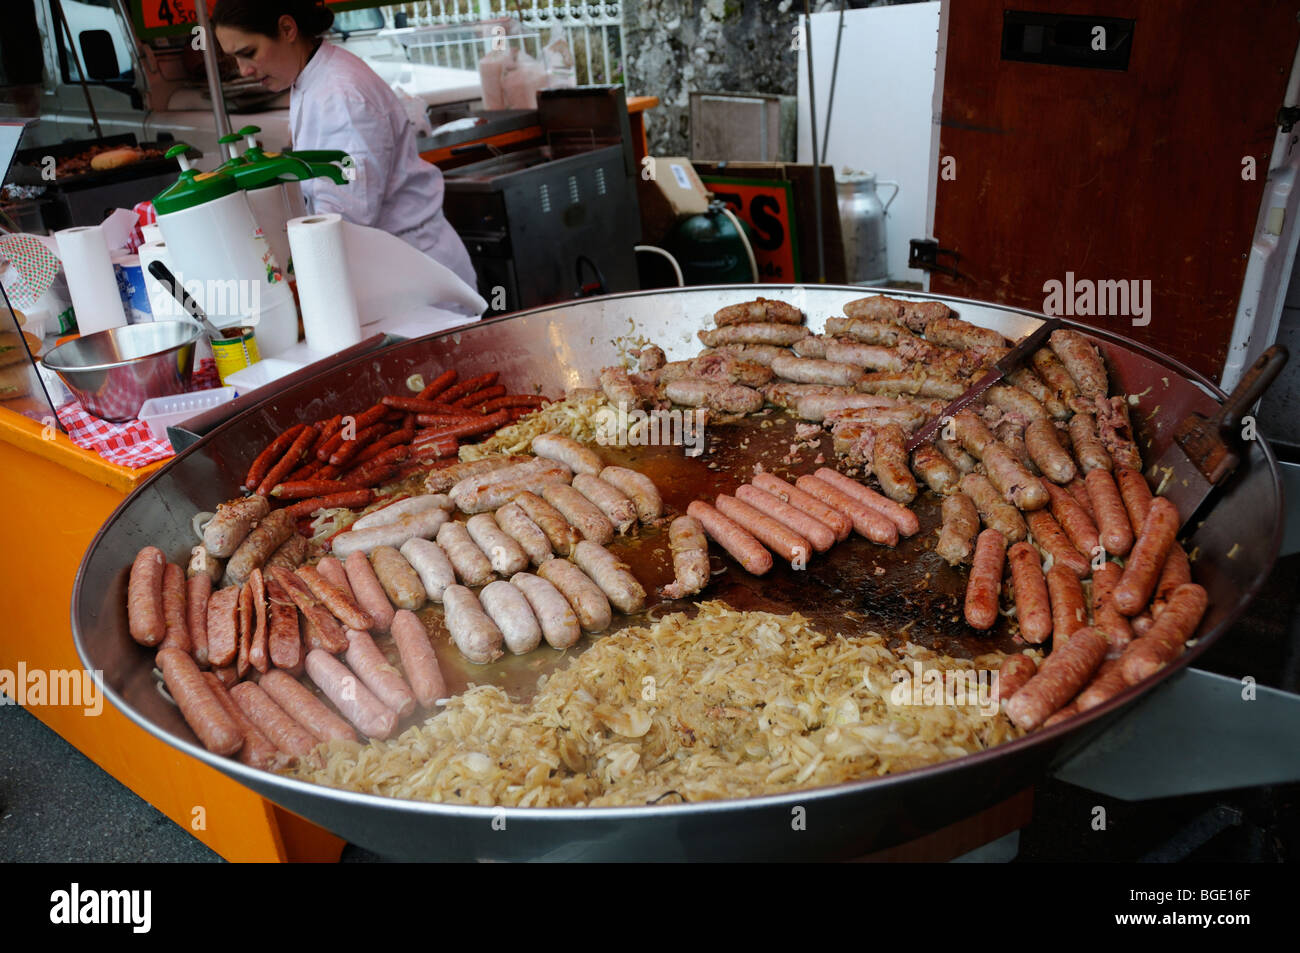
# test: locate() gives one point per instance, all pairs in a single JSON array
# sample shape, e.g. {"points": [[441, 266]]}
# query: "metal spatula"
{"points": [[1205, 451]]}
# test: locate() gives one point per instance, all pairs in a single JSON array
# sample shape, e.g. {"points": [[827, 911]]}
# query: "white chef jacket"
{"points": [[338, 102]]}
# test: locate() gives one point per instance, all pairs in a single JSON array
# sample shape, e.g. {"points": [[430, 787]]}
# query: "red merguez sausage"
{"points": [[175, 613], [305, 708], [371, 416], [480, 425], [295, 454], [369, 591], [302, 489], [378, 674], [839, 522], [390, 456], [1171, 630], [1136, 494], [245, 605], [1074, 519], [1147, 558], [215, 729], [895, 512], [1177, 571], [439, 384], [1105, 685], [223, 627], [303, 473], [352, 499], [350, 696], [1015, 672], [772, 533], [257, 648], [328, 447], [1112, 520], [469, 386], [283, 641], [394, 439], [350, 448], [199, 589], [515, 401], [480, 397], [985, 579], [144, 597], [335, 599], [866, 521], [257, 750], [274, 451], [1068, 612], [286, 734], [1069, 711], [810, 528], [1072, 665], [1033, 607], [743, 547], [440, 448], [1052, 540], [418, 658], [415, 405], [365, 477], [1105, 616]]}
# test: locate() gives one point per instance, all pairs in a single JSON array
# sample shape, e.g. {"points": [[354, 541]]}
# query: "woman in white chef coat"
{"points": [[338, 102]]}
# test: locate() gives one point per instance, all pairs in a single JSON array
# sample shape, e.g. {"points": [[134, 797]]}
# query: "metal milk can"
{"points": [[862, 221]]}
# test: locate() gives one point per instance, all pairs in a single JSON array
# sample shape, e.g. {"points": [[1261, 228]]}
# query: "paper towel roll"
{"points": [[161, 302], [91, 279], [330, 317]]}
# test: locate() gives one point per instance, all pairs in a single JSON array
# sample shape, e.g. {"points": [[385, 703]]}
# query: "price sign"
{"points": [[764, 205]]}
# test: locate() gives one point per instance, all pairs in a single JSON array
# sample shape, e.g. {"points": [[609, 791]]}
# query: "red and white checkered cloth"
{"points": [[127, 444]]}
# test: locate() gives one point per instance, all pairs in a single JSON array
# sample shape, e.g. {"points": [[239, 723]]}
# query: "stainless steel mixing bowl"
{"points": [[114, 372]]}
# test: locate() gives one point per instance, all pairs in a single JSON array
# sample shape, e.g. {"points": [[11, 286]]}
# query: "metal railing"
{"points": [[458, 33]]}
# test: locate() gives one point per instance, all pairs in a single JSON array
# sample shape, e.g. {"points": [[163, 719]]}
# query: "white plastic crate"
{"points": [[162, 412]]}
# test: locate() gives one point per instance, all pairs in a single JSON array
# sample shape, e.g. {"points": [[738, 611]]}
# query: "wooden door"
{"points": [[1140, 172]]}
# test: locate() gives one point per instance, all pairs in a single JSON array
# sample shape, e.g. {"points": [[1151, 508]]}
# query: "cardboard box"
{"points": [[669, 189]]}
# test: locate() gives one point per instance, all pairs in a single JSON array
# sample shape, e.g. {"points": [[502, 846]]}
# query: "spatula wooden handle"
{"points": [[1249, 390]]}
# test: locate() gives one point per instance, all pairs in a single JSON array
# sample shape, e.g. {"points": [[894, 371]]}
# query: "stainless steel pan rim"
{"points": [[1084, 725]]}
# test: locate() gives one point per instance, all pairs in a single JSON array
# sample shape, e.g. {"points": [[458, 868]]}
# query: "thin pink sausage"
{"points": [[199, 589], [985, 579], [839, 522], [772, 533], [304, 707], [418, 658], [377, 673], [333, 572], [743, 547], [866, 521], [1033, 608], [810, 528], [1147, 558], [274, 722], [144, 601], [369, 591], [900, 515], [1112, 519]]}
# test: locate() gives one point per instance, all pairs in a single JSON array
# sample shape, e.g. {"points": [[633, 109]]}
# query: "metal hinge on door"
{"points": [[1288, 116], [923, 253]]}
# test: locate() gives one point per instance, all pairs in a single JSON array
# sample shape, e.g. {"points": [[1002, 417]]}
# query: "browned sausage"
{"points": [[1047, 453], [1066, 594], [400, 580], [755, 333], [223, 626], [1136, 494], [1055, 376], [175, 614], [1171, 630], [1088, 448], [743, 547], [1112, 521], [418, 658], [563, 536], [772, 533], [144, 597], [332, 571], [821, 536], [257, 750], [889, 463], [996, 512], [284, 645], [895, 512], [245, 609], [961, 524], [580, 512], [1177, 571], [305, 708], [1147, 557], [1081, 360], [972, 433], [866, 521], [263, 711], [322, 630], [1010, 399], [985, 581], [839, 523], [1014, 673], [1105, 616], [1033, 608], [257, 646], [335, 599], [232, 523], [1027, 379], [588, 601], [1052, 540], [1079, 490], [690, 549], [1074, 519], [758, 310], [935, 469], [203, 713], [271, 531], [199, 588], [1105, 685], [378, 674], [1016, 484], [1071, 666]]}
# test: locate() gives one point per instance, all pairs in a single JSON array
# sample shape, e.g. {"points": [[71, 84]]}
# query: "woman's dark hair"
{"points": [[263, 16]]}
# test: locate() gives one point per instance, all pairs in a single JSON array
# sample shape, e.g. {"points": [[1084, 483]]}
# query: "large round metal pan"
{"points": [[561, 347]]}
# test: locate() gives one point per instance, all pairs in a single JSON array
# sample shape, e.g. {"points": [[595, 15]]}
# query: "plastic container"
{"points": [[162, 412], [260, 374]]}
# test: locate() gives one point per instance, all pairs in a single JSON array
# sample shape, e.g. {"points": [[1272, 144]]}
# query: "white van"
{"points": [[156, 88]]}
